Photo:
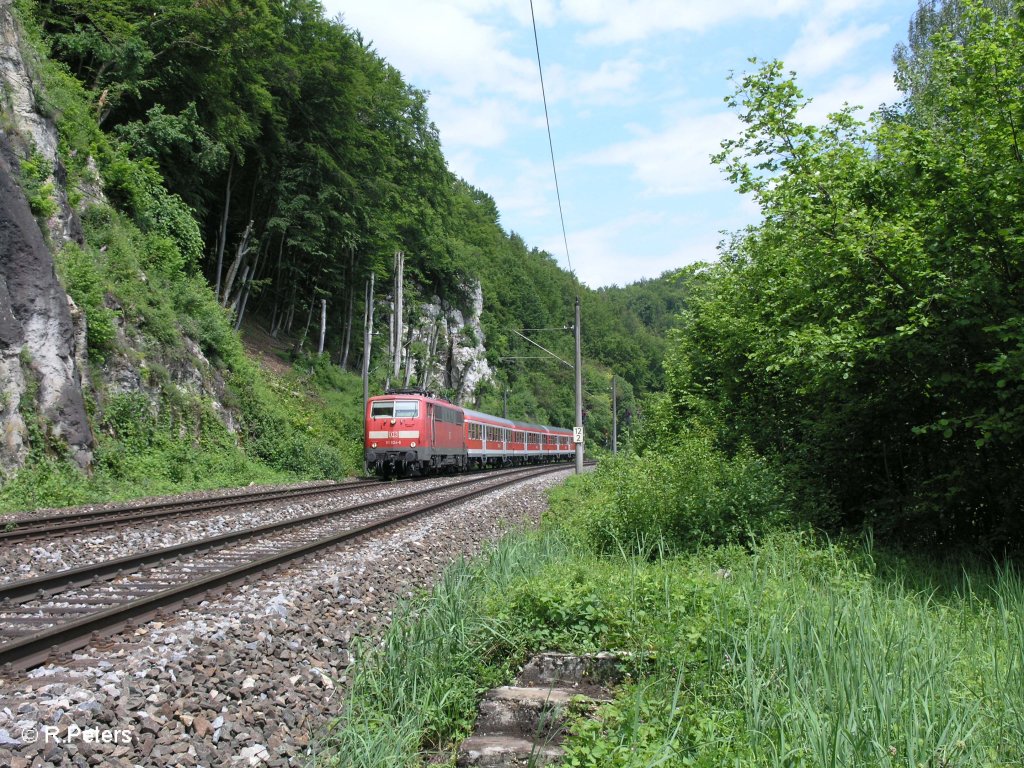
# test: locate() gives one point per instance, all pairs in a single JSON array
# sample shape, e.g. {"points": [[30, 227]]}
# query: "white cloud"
{"points": [[675, 161], [477, 123], [604, 256], [868, 91], [621, 21], [527, 194], [443, 40], [600, 255], [820, 48], [611, 81]]}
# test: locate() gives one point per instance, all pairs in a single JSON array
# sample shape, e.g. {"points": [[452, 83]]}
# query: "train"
{"points": [[412, 433]]}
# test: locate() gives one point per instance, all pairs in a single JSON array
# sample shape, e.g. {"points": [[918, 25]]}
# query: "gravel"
{"points": [[247, 679], [78, 549]]}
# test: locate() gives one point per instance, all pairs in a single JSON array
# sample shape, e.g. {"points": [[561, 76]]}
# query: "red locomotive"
{"points": [[413, 432]]}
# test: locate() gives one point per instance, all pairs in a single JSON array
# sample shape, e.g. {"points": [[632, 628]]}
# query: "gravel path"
{"points": [[246, 679]]}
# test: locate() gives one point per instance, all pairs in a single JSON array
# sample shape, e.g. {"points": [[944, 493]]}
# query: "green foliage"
{"points": [[36, 180], [286, 430], [684, 496], [867, 330], [179, 144], [83, 278], [137, 187]]}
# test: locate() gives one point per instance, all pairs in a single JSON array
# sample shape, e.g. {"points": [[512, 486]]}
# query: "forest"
{"points": [[261, 164], [307, 162]]}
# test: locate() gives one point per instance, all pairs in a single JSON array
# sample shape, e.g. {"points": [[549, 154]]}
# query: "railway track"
{"points": [[60, 612], [48, 526]]}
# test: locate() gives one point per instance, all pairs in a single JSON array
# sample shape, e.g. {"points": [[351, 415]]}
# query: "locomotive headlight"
{"points": [[392, 422], [373, 445], [412, 444]]}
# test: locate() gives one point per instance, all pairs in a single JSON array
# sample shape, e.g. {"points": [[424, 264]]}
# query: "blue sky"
{"points": [[635, 93]]}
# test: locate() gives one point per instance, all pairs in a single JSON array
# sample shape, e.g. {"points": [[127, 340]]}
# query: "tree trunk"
{"points": [[615, 418], [428, 363], [278, 313], [367, 339], [323, 327], [347, 344], [408, 370], [224, 226], [399, 284], [309, 319], [243, 250], [291, 312], [391, 335], [238, 294], [246, 288]]}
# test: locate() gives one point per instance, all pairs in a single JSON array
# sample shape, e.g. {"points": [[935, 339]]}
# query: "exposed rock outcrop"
{"points": [[445, 348], [42, 333], [37, 336], [39, 132]]}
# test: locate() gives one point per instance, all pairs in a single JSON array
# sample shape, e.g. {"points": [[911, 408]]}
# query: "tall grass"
{"points": [[786, 653], [417, 690], [860, 673], [806, 655]]}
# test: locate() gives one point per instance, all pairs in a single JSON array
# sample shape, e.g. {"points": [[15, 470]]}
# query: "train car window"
{"points": [[383, 410], [407, 409]]}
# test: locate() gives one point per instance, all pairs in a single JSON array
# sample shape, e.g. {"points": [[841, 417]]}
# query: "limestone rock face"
{"points": [[446, 348], [16, 87], [37, 337]]}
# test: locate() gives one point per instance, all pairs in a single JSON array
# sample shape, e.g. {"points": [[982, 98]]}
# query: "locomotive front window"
{"points": [[395, 409], [406, 409], [383, 410]]}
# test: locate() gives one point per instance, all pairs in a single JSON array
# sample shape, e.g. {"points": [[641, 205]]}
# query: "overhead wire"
{"points": [[551, 147]]}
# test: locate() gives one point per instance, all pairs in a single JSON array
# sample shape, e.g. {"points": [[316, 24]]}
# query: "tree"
{"points": [[868, 331]]}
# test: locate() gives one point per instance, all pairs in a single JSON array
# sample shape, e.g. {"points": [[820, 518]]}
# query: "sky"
{"points": [[635, 92]]}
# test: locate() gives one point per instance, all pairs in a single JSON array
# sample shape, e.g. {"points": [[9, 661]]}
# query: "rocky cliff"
{"points": [[445, 348], [41, 347]]}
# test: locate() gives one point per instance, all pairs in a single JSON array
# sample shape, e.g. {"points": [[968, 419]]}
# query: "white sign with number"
{"points": [[577, 435]]}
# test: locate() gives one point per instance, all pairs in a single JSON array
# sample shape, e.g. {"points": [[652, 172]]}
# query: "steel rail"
{"points": [[50, 584], [36, 648], [40, 527]]}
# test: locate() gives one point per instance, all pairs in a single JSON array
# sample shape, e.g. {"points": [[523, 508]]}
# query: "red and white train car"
{"points": [[411, 432]]}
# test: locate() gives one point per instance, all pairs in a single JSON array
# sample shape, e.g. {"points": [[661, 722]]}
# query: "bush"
{"points": [[84, 281], [35, 179], [687, 496]]}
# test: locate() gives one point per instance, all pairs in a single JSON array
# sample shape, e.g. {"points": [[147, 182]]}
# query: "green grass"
{"points": [[788, 651], [417, 690]]}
